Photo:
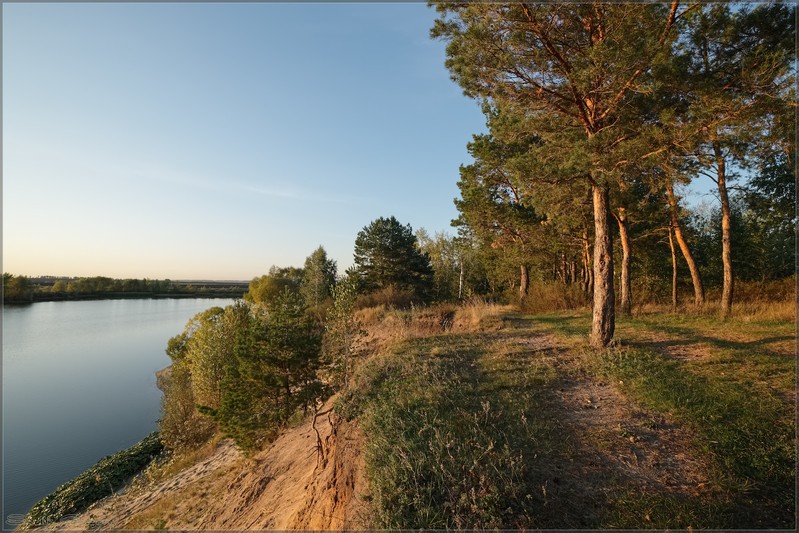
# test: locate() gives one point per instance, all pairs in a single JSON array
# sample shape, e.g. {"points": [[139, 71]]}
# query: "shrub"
{"points": [[181, 426]]}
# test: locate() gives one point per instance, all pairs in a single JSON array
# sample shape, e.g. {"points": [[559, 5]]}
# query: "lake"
{"points": [[79, 384]]}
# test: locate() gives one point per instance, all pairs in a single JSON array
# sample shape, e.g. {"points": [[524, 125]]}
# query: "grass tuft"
{"points": [[441, 451], [476, 428]]}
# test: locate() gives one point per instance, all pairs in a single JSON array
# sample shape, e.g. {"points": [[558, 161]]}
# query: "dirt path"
{"points": [[609, 444], [611, 441]]}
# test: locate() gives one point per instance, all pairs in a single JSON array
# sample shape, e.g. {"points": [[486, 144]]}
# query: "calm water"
{"points": [[79, 384]]}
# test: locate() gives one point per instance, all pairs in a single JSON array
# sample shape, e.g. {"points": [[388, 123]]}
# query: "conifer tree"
{"points": [[386, 255], [737, 77], [569, 71]]}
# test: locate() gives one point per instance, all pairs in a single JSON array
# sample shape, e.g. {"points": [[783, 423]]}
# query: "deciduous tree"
{"points": [[319, 277]]}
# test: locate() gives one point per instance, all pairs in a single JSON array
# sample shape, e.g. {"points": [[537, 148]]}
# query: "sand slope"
{"points": [[300, 481]]}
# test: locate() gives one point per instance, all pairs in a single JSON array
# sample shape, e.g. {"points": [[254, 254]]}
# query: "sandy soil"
{"points": [[293, 484]]}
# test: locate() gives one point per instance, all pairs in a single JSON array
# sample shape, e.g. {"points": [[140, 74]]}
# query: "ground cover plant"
{"points": [[686, 422]]}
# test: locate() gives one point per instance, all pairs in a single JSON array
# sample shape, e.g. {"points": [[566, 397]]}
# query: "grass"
{"points": [[155, 516], [467, 430], [732, 394], [172, 463], [447, 447], [745, 434]]}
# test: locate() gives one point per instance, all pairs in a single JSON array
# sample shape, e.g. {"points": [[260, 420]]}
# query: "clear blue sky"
{"points": [[213, 141]]}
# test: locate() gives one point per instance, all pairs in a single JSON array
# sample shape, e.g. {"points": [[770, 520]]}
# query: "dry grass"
{"points": [[175, 463], [157, 516], [742, 310], [390, 296], [369, 316], [396, 324], [553, 296], [477, 314]]}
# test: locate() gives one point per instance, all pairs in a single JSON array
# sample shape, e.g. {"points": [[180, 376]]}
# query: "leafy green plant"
{"points": [[99, 481]]}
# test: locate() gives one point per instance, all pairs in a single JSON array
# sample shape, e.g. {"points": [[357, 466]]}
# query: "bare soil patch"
{"points": [[292, 484], [611, 441]]}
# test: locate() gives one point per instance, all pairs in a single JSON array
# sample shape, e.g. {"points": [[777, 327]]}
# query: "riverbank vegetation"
{"points": [[483, 415], [101, 480]]}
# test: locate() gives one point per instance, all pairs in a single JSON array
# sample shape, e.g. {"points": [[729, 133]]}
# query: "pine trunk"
{"points": [[673, 272], [460, 281], [726, 254], [589, 271], [626, 260], [524, 282], [603, 323], [699, 290]]}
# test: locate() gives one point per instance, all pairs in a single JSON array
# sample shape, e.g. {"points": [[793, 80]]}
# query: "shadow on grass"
{"points": [[746, 432], [749, 441], [468, 431], [692, 335], [573, 325], [459, 434]]}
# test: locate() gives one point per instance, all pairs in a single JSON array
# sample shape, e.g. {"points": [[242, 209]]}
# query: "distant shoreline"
{"points": [[25, 290], [41, 298]]}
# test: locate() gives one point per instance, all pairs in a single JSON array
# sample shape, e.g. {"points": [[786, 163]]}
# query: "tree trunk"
{"points": [[626, 290], [584, 272], [589, 281], [603, 323], [699, 290], [524, 282], [673, 271], [726, 254], [460, 281]]}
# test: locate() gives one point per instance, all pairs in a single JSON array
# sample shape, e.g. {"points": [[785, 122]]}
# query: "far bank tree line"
{"points": [[23, 289]]}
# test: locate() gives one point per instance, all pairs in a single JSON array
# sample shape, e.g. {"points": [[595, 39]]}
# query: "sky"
{"points": [[212, 141]]}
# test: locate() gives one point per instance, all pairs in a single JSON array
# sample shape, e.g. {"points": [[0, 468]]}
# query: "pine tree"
{"points": [[569, 73], [386, 255]]}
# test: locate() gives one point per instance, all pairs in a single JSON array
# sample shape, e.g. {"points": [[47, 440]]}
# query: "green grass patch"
{"points": [[737, 351], [632, 509], [740, 351], [453, 438], [569, 325], [469, 431], [746, 434], [733, 398]]}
